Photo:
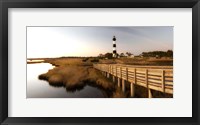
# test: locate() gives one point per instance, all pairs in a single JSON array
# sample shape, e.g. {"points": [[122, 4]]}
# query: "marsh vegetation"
{"points": [[76, 74]]}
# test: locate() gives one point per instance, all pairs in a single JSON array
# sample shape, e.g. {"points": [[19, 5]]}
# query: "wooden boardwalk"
{"points": [[159, 78]]}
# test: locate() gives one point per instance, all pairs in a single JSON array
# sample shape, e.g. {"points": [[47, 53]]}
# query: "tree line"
{"points": [[168, 53]]}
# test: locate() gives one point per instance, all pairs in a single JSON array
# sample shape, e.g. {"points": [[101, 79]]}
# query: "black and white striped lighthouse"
{"points": [[114, 47]]}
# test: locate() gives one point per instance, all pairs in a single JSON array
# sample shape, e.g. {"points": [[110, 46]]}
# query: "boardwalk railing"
{"points": [[159, 78]]}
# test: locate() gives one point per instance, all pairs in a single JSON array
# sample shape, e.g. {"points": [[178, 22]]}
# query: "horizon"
{"points": [[79, 56], [54, 42]]}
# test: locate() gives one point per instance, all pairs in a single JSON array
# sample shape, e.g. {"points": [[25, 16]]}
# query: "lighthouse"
{"points": [[114, 47]]}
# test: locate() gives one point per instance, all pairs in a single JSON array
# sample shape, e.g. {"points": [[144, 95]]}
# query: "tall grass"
{"points": [[73, 76]]}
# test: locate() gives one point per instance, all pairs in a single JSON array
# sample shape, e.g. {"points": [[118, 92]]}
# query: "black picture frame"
{"points": [[5, 4]]}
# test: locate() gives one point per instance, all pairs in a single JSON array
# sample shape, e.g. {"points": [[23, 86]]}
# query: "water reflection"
{"points": [[69, 89], [42, 89], [81, 86]]}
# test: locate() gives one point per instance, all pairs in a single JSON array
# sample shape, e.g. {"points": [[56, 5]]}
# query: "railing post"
{"points": [[108, 73], [120, 76], [135, 75], [146, 78], [123, 85], [121, 72], [132, 85], [113, 74], [147, 84], [163, 81], [126, 74], [112, 69], [116, 71]]}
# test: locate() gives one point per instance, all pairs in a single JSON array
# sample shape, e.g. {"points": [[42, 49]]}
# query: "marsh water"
{"points": [[42, 89]]}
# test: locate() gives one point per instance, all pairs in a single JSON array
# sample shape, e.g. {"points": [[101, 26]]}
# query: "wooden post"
{"points": [[147, 85], [113, 74], [112, 70], [116, 71], [123, 85], [108, 68], [120, 77], [132, 86], [149, 93], [119, 82], [127, 74], [135, 76], [121, 72], [163, 81], [146, 78]]}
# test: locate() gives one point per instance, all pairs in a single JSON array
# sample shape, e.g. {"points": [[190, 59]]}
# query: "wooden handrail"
{"points": [[159, 78]]}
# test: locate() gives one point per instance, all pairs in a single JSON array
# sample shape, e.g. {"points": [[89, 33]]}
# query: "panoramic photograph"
{"points": [[99, 61]]}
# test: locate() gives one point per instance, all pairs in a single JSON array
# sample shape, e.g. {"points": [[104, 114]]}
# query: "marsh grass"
{"points": [[75, 77], [67, 76], [69, 62], [140, 61]]}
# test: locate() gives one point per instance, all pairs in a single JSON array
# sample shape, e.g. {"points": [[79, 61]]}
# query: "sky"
{"points": [[92, 41]]}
